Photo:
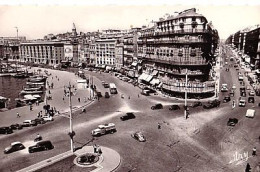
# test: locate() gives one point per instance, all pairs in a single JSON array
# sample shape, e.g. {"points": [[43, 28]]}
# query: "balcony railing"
{"points": [[175, 62]]}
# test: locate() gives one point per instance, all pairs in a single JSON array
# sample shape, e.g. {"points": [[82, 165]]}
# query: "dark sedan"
{"points": [[157, 106], [139, 136], [232, 121], [128, 115], [174, 107], [196, 104], [41, 146], [15, 146], [16, 126], [212, 104]]}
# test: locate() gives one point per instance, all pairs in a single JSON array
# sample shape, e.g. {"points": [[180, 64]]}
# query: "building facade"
{"points": [[185, 42], [49, 53]]}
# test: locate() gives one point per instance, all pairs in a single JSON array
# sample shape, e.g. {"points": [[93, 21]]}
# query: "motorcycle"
{"points": [[39, 138]]}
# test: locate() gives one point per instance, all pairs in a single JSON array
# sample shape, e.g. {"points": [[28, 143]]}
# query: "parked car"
{"points": [[224, 88], [242, 103], [104, 129], [6, 130], [251, 93], [15, 146], [47, 118], [16, 126], [232, 121], [29, 123], [212, 104], [226, 99], [139, 136], [196, 104], [41, 146], [106, 85], [107, 95], [145, 92], [232, 93], [174, 107], [157, 106], [40, 121], [128, 115], [251, 100], [234, 86]]}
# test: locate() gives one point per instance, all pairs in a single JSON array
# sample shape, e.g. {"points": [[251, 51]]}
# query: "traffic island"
{"points": [[83, 159]]}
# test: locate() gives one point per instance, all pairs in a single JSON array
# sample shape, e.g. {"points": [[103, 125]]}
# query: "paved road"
{"points": [[202, 143]]}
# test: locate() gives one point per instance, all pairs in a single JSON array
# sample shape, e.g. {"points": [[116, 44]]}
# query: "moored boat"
{"points": [[31, 92]]}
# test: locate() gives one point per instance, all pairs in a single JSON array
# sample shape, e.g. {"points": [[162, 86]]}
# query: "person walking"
{"points": [[159, 126], [248, 167], [254, 151], [79, 99], [233, 104], [18, 115]]}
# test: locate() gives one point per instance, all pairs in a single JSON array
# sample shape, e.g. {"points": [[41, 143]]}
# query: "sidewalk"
{"points": [[109, 160]]}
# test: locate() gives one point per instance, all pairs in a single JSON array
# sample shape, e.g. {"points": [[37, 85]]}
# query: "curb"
{"points": [[46, 162]]}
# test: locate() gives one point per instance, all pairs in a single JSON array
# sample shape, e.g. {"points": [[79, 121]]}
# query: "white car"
{"points": [[242, 103], [251, 93], [47, 118], [234, 86]]}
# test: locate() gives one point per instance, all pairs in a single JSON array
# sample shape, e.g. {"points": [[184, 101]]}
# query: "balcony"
{"points": [[183, 31], [177, 63], [175, 41]]}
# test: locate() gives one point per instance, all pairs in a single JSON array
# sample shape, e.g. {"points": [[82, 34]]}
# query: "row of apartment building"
{"points": [[247, 41], [159, 55]]}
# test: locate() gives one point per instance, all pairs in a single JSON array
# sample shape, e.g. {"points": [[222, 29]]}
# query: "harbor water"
{"points": [[10, 88]]}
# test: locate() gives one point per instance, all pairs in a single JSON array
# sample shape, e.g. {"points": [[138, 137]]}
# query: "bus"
{"points": [[112, 88]]}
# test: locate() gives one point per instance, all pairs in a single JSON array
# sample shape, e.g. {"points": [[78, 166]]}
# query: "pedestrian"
{"points": [[254, 151], [248, 168], [138, 95], [63, 98], [128, 97], [95, 148], [18, 115], [49, 91], [233, 104], [31, 108], [79, 99], [159, 126], [37, 103]]}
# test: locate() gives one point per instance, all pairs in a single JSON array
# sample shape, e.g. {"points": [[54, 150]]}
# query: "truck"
{"points": [[250, 113], [104, 129]]}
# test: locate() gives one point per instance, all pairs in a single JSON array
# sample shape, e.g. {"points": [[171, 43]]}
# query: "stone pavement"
{"points": [[59, 79], [109, 160]]}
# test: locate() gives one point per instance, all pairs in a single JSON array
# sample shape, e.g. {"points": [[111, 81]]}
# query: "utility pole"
{"points": [[185, 109]]}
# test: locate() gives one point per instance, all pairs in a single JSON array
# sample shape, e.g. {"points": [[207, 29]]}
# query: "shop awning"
{"points": [[134, 63], [155, 72], [155, 81], [149, 78], [143, 76], [108, 68]]}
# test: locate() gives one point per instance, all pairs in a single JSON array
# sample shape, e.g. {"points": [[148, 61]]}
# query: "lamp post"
{"points": [[71, 133], [186, 83]]}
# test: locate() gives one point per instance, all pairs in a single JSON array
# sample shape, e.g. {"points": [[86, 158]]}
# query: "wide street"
{"points": [[203, 142]]}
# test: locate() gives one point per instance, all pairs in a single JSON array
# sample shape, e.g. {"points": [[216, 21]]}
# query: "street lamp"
{"points": [[185, 109], [71, 133]]}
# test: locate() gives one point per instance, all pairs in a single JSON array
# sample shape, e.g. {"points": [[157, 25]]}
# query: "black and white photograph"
{"points": [[133, 86]]}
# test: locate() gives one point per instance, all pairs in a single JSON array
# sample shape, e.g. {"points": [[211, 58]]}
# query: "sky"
{"points": [[37, 20]]}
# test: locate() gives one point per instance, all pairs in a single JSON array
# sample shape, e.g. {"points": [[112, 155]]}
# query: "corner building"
{"points": [[185, 42]]}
